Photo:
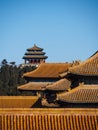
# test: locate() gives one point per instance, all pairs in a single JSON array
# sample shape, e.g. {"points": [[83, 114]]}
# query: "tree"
{"points": [[11, 77], [4, 62]]}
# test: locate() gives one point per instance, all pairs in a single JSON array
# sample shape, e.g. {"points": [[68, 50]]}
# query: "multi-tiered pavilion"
{"points": [[34, 55]]}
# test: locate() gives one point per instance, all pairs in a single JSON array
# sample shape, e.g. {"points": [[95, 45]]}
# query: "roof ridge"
{"points": [[50, 70], [38, 67], [93, 54], [84, 62], [32, 70], [35, 47]]}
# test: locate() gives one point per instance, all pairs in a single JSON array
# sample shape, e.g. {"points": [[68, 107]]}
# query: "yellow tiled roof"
{"points": [[80, 94], [49, 119], [88, 67], [17, 101], [33, 86], [48, 70], [61, 85]]}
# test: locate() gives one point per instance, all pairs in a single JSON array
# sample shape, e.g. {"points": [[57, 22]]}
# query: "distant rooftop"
{"points": [[35, 48], [34, 55]]}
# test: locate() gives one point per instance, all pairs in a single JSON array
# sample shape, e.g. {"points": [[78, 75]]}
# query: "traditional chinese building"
{"points": [[34, 55], [48, 119], [65, 83], [62, 84], [86, 72], [80, 94], [46, 74], [83, 89]]}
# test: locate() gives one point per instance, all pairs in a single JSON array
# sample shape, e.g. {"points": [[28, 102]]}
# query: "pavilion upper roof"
{"points": [[80, 94], [48, 70], [60, 85], [87, 68], [35, 48]]}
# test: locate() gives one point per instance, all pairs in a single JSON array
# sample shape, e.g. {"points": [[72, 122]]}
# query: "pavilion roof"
{"points": [[80, 94], [87, 68], [33, 86], [60, 85], [35, 53], [35, 48], [34, 57], [48, 70]]}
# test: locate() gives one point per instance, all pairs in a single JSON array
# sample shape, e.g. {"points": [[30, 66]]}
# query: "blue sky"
{"points": [[66, 29]]}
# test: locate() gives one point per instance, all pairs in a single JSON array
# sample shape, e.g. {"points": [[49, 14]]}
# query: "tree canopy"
{"points": [[11, 77]]}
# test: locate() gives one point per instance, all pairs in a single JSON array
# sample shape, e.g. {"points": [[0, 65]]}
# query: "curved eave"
{"points": [[35, 49], [47, 70], [61, 85], [33, 86], [83, 74], [80, 94], [34, 57], [87, 68], [35, 53], [42, 77]]}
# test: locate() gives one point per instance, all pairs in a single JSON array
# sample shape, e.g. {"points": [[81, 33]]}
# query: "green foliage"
{"points": [[11, 77]]}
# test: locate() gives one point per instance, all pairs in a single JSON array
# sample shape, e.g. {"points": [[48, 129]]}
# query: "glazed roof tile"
{"points": [[35, 48], [34, 56], [81, 94], [49, 118], [48, 70], [35, 53], [61, 85], [33, 86], [88, 67]]}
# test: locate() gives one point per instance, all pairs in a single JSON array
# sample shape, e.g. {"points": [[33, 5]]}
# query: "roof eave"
{"points": [[83, 74]]}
